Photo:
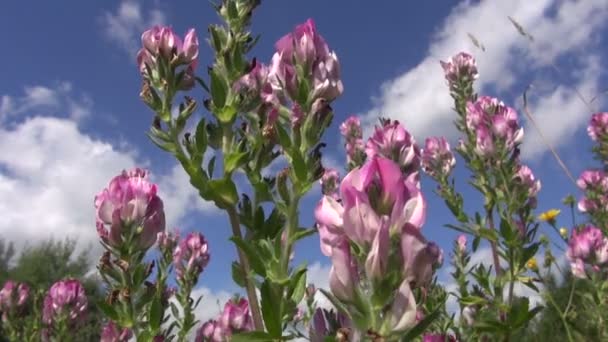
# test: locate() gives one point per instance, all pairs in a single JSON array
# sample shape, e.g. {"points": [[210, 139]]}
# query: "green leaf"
{"points": [[254, 258], [108, 310], [201, 136], [165, 146], [284, 138], [253, 336], [211, 166], [488, 234], [271, 309], [226, 114], [301, 233], [139, 274], [155, 315], [422, 325], [234, 160], [237, 274], [299, 166], [300, 286], [219, 89], [224, 191]]}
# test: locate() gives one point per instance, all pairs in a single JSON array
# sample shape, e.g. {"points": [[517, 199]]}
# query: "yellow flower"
{"points": [[549, 215], [563, 232], [531, 264]]}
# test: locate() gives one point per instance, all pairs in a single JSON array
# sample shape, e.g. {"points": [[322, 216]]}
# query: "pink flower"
{"points": [[419, 257], [191, 256], [130, 202], [328, 214], [162, 44], [461, 67], [582, 243], [438, 338], [343, 274], [306, 49], [112, 333], [494, 125], [437, 158], [13, 297], [351, 128], [211, 331], [305, 44], [167, 241], [484, 144], [598, 127], [402, 314], [375, 193], [578, 268], [236, 316], [255, 84], [525, 176], [329, 182], [461, 243], [65, 297], [376, 264], [392, 141]]}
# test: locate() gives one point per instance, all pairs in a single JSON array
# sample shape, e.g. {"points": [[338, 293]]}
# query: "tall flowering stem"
{"points": [[258, 112], [490, 150], [65, 309], [130, 216], [14, 300]]}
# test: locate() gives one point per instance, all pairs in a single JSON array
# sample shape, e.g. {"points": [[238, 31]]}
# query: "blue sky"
{"points": [[70, 116]]}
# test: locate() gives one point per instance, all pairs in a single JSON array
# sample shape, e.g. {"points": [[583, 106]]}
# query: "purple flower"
{"points": [[66, 298], [437, 158], [112, 333], [582, 243], [438, 338], [163, 42], [130, 202], [598, 127], [328, 214], [191, 256], [461, 67], [376, 264]]}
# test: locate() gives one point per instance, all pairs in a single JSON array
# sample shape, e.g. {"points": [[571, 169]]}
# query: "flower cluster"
{"points": [[329, 182], [494, 125], [587, 246], [190, 257], [354, 145], [598, 127], [391, 140], [437, 158], [459, 69], [235, 318], [13, 297], [525, 178], [372, 231], [65, 301], [161, 46], [595, 185], [129, 211]]}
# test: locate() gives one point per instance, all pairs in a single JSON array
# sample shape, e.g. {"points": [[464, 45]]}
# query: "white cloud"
{"points": [[58, 99], [50, 172], [125, 26], [419, 98]]}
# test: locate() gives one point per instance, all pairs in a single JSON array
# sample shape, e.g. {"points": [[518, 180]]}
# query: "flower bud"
{"points": [[343, 274], [461, 243], [211, 331], [392, 141], [525, 177], [329, 182], [563, 232], [460, 68]]}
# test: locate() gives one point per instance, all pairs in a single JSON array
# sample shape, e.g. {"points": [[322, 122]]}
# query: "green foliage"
{"points": [[43, 264]]}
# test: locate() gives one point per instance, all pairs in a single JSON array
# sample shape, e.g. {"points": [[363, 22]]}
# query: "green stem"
{"points": [[249, 285]]}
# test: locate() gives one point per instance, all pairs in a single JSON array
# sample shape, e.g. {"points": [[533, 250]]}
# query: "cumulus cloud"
{"points": [[56, 99], [419, 97], [125, 25], [50, 172]]}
